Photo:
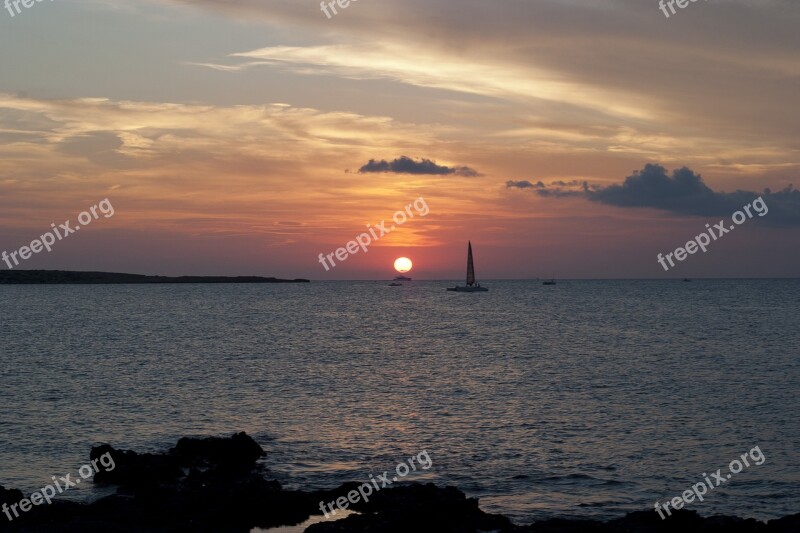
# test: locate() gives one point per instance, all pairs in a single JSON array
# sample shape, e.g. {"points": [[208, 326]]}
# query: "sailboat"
{"points": [[471, 285]]}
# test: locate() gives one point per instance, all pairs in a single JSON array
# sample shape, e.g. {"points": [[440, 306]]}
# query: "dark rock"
{"points": [[238, 451], [10, 496], [415, 508], [134, 470], [733, 524], [646, 521], [564, 525], [144, 471], [214, 484], [786, 524]]}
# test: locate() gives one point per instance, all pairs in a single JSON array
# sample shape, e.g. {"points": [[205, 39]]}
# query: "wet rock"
{"points": [[215, 485], [650, 522], [416, 508], [10, 496], [138, 471], [786, 524], [239, 451], [133, 470]]}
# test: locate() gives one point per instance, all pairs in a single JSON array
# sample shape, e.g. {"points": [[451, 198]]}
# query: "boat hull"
{"points": [[468, 289]]}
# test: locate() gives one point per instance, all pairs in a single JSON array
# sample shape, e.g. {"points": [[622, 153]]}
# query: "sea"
{"points": [[584, 399]]}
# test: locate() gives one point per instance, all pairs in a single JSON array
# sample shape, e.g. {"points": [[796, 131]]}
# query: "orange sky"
{"points": [[229, 140]]}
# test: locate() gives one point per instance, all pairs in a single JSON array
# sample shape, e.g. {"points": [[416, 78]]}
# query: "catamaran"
{"points": [[471, 285]]}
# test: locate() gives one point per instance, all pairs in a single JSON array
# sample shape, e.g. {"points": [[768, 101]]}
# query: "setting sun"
{"points": [[402, 264]]}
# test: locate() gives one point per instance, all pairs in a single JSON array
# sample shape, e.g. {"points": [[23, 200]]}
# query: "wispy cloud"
{"points": [[434, 68], [157, 154]]}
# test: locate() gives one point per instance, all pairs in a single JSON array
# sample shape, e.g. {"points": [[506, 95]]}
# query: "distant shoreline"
{"points": [[67, 277]]}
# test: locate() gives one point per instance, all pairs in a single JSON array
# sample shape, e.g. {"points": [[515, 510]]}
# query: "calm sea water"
{"points": [[590, 398]]}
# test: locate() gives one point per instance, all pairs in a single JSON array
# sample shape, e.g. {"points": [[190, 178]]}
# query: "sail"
{"points": [[470, 267]]}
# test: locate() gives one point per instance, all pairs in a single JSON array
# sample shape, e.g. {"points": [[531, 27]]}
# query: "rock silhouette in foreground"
{"points": [[217, 485]]}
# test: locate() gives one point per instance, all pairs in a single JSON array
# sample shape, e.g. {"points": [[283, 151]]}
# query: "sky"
{"points": [[566, 138]]}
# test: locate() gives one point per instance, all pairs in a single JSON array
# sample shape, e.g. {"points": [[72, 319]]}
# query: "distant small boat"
{"points": [[686, 279], [402, 278], [471, 285], [551, 282], [395, 284]]}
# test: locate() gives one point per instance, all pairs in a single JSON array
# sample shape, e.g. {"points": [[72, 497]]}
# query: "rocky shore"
{"points": [[215, 485]]}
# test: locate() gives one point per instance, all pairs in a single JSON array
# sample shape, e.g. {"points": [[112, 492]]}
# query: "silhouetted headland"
{"points": [[70, 277], [218, 484]]}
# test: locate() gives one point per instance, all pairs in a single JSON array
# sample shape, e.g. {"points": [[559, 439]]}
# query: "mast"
{"points": [[470, 267]]}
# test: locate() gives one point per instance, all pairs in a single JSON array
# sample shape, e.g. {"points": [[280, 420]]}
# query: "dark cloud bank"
{"points": [[682, 192], [406, 165]]}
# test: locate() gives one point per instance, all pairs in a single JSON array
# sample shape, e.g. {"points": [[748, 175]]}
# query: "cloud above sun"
{"points": [[406, 165], [258, 106]]}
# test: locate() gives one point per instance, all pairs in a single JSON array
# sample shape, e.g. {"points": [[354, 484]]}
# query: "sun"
{"points": [[402, 264]]}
